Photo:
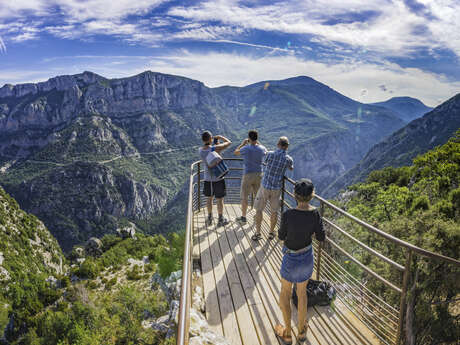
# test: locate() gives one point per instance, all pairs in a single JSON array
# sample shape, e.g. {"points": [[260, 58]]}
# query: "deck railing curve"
{"points": [[385, 320]]}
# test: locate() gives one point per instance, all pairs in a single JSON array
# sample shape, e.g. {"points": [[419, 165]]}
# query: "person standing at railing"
{"points": [[296, 230], [253, 153], [276, 163], [213, 186]]}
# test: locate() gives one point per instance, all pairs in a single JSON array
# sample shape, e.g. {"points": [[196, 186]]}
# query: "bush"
{"points": [[421, 203], [135, 273], [88, 269], [112, 282]]}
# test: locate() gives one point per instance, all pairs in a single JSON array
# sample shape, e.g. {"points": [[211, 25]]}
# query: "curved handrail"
{"points": [[185, 294]]}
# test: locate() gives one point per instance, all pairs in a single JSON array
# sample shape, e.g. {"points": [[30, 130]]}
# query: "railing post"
{"points": [[282, 194], [320, 245], [402, 304], [199, 185]]}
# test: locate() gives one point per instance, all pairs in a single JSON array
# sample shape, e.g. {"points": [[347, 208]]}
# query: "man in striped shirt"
{"points": [[276, 162]]}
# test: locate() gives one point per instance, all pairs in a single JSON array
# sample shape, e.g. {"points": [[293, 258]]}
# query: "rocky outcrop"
{"points": [[127, 231], [80, 200], [93, 247]]}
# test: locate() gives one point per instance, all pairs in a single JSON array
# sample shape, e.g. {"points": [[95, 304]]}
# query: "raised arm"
{"points": [[244, 143], [226, 143]]}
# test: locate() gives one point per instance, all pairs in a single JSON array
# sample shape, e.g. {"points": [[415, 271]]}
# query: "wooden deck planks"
{"points": [[241, 283], [227, 314], [209, 282]]}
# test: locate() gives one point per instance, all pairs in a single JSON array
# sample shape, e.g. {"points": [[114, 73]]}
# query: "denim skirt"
{"points": [[297, 267]]}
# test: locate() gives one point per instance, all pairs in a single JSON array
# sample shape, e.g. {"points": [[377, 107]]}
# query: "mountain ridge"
{"points": [[398, 149], [408, 108], [144, 130]]}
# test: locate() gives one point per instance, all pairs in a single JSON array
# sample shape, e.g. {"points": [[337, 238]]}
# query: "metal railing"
{"points": [[384, 318]]}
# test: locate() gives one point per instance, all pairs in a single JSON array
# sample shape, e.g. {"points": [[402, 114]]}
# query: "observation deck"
{"points": [[241, 279]]}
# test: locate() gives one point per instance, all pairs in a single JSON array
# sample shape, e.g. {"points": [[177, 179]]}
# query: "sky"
{"points": [[369, 50]]}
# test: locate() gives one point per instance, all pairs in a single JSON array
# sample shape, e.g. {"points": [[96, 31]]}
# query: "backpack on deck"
{"points": [[318, 293]]}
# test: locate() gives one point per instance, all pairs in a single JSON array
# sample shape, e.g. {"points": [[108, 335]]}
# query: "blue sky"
{"points": [[369, 50]]}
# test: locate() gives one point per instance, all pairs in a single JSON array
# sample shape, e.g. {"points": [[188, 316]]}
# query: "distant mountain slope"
{"points": [[407, 108], [419, 136], [329, 132], [83, 152]]}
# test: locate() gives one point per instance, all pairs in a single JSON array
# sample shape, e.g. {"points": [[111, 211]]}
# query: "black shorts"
{"points": [[217, 189]]}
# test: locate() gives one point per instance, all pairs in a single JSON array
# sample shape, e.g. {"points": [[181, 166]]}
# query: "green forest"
{"points": [[421, 205]]}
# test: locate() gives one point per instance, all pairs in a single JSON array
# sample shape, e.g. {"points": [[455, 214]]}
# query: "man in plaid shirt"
{"points": [[276, 163]]}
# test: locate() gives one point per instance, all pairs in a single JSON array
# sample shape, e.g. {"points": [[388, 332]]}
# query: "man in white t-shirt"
{"points": [[213, 186]]}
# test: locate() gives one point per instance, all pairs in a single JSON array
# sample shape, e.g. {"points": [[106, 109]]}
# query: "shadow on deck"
{"points": [[241, 284]]}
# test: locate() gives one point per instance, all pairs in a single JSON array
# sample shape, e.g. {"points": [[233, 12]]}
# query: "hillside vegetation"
{"points": [[102, 296], [419, 204]]}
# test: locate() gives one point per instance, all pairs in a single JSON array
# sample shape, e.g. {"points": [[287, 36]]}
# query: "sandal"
{"points": [[303, 333], [280, 332], [256, 237], [271, 235]]}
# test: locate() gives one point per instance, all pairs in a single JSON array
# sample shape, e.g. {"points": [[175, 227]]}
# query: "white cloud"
{"points": [[17, 8], [208, 32], [446, 28], [81, 19], [2, 46], [78, 10], [105, 9], [392, 30]]}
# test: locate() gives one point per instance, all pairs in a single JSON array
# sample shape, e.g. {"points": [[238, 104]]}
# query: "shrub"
{"points": [[112, 282], [421, 203], [135, 273], [88, 269]]}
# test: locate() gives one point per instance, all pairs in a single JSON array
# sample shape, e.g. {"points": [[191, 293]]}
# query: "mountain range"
{"points": [[407, 108], [419, 136], [86, 154]]}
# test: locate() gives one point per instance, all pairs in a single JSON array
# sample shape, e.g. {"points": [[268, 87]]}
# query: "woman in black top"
{"points": [[297, 228]]}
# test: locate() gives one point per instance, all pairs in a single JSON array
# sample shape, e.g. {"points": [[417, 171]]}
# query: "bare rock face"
{"points": [[45, 107], [93, 247], [127, 231], [324, 158], [87, 197]]}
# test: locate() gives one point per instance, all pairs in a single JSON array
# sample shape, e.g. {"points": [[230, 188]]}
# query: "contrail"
{"points": [[2, 46]]}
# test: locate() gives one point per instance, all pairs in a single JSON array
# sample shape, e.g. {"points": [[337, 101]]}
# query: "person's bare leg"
{"points": [[244, 205], [285, 304], [220, 206], [258, 221], [209, 205], [273, 221], [301, 289]]}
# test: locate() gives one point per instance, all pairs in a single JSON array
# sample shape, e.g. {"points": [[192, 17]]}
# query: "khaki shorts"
{"points": [[264, 195], [250, 184]]}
